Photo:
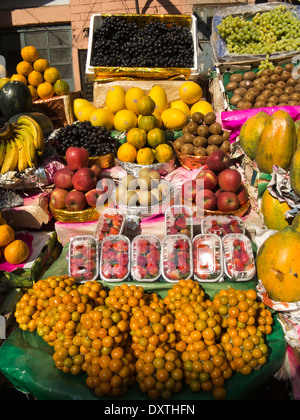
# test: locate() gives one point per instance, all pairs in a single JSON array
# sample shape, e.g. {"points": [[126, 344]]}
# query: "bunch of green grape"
{"points": [[267, 33]]}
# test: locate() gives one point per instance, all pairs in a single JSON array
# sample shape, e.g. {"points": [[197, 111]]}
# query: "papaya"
{"points": [[277, 143], [297, 124], [296, 222], [251, 132], [295, 172], [278, 265], [273, 212]]}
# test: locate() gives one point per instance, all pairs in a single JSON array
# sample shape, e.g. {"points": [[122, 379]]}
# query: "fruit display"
{"points": [[177, 258], [111, 222], [269, 32], [115, 258], [22, 145], [208, 258], [179, 221], [264, 88], [83, 259], [222, 225], [202, 136], [145, 254], [123, 43], [42, 80], [239, 257]]}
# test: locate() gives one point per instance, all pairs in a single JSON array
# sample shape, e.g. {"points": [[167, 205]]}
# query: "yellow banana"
{"points": [[2, 151], [22, 162], [7, 131], [35, 130], [11, 157], [29, 145]]}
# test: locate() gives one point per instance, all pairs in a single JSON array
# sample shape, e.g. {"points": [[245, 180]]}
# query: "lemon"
{"points": [[102, 118], [190, 92], [174, 119], [182, 106], [137, 138], [146, 106], [127, 153], [147, 122], [159, 96], [132, 97], [85, 113], [159, 119], [145, 156], [203, 107], [156, 137], [164, 153], [115, 99], [79, 104], [125, 120]]}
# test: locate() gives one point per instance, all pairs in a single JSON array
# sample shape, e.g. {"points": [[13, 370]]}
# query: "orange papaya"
{"points": [[277, 143], [295, 172], [296, 222], [251, 132], [273, 212], [297, 124]]}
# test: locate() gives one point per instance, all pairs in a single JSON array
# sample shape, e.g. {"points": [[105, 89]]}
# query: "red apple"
{"points": [[63, 179], [207, 200], [209, 178], [75, 201], [77, 158], [97, 170], [189, 191], [57, 198], [218, 161], [218, 192], [92, 197], [228, 201], [230, 180], [242, 194], [84, 180]]}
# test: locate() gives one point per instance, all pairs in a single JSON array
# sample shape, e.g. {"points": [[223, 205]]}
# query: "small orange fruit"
{"points": [[52, 75], [7, 235], [29, 54], [45, 90], [19, 78], [24, 68], [16, 252], [35, 78], [41, 65]]}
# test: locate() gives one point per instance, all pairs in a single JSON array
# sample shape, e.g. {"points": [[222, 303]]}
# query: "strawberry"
{"points": [[181, 223], [143, 246], [153, 257], [122, 259], [153, 269], [140, 272], [114, 231], [107, 271], [121, 246], [105, 227], [244, 258], [107, 246], [117, 221], [109, 256], [120, 271], [173, 275], [142, 261]]}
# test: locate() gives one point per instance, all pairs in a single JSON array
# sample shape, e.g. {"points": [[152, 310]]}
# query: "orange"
{"points": [[164, 153], [145, 156], [33, 92], [30, 54], [52, 75], [35, 78], [127, 153], [45, 90], [41, 65], [16, 252], [137, 138], [7, 235], [24, 68], [146, 106], [19, 78], [61, 87]]}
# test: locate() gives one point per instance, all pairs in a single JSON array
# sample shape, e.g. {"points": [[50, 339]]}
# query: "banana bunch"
{"points": [[21, 145]]}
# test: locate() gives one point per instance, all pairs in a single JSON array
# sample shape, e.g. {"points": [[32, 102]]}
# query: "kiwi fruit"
{"points": [[192, 127], [249, 97], [259, 104], [294, 103], [235, 99], [215, 128], [225, 146], [254, 92], [271, 104], [260, 86], [263, 98], [266, 72], [203, 131], [198, 117], [249, 75], [281, 84], [211, 149], [231, 86], [271, 86], [188, 138], [215, 139], [274, 99], [286, 75], [284, 98], [275, 78], [277, 92], [247, 105], [240, 91], [200, 151], [247, 84], [278, 70], [297, 88], [289, 67], [236, 78], [178, 144], [200, 142], [187, 149], [295, 97], [291, 82], [210, 118], [226, 135], [289, 90], [256, 82], [265, 80], [240, 105]]}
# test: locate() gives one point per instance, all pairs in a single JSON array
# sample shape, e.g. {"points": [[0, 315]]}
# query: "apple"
{"points": [[218, 161], [242, 194], [209, 178], [97, 170], [228, 202], [218, 192], [77, 158], [92, 197], [63, 179], [207, 200], [57, 198], [230, 180], [84, 180], [189, 191], [75, 201]]}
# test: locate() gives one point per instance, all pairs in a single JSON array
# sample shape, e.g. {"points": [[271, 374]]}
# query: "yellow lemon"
{"points": [[127, 153], [137, 138], [190, 92], [182, 106], [156, 137], [164, 153], [102, 118], [115, 99], [159, 96], [85, 113], [203, 107], [125, 120], [174, 119], [79, 104], [159, 119], [132, 97], [145, 156]]}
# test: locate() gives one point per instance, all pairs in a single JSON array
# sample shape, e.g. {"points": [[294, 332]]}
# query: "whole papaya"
{"points": [[251, 131]]}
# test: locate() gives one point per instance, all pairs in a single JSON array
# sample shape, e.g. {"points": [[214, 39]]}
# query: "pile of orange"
{"points": [[43, 80], [14, 251]]}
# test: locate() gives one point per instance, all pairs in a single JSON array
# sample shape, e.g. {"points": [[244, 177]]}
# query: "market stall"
{"points": [[151, 235]]}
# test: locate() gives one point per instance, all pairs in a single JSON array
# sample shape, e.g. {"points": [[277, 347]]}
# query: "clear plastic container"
{"points": [[179, 221], [177, 258], [208, 258], [146, 260], [223, 225], [239, 259], [83, 259], [115, 258], [111, 222]]}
